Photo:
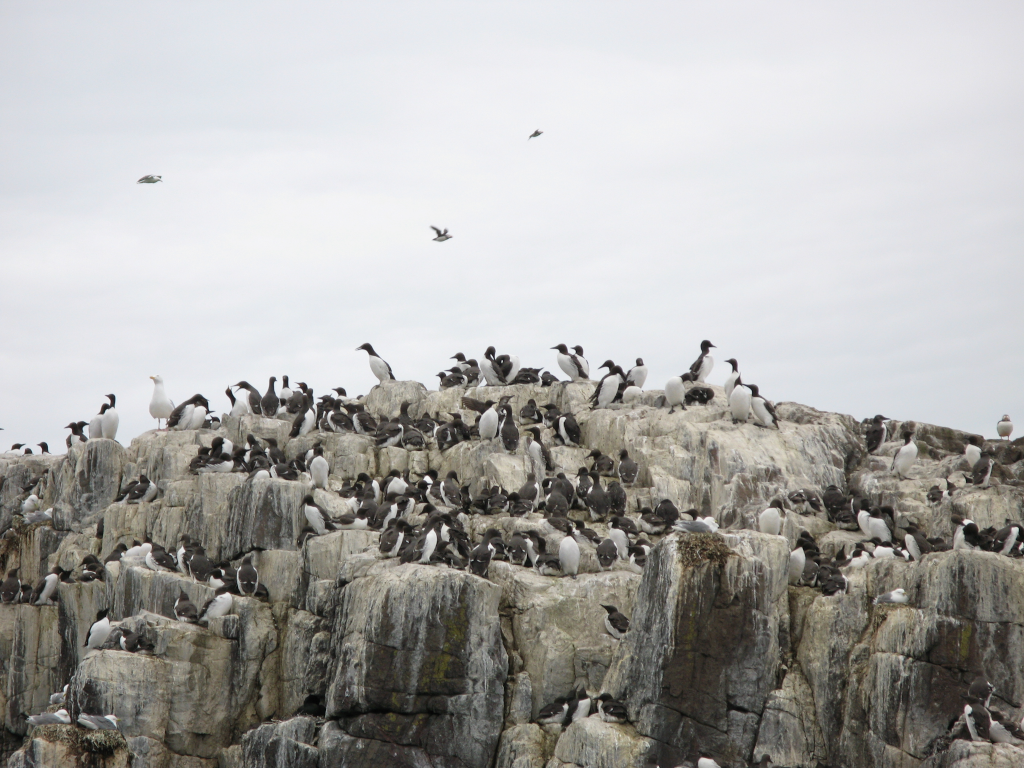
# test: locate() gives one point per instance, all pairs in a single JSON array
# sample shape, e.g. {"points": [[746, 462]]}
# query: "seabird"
{"points": [[569, 556], [535, 134], [616, 623], [217, 606], [972, 451], [96, 423], [584, 365], [764, 410], [508, 430], [378, 366], [876, 433], [60, 696], [316, 516], [568, 429], [732, 378], [248, 578], [610, 710], [185, 609], [150, 179], [60, 717], [702, 366], [896, 596], [1004, 427], [637, 374], [441, 236], [77, 435], [46, 587], [608, 388], [906, 456], [675, 391], [319, 468], [797, 561], [110, 420], [770, 521], [627, 469], [556, 712], [134, 641], [10, 589], [160, 406], [99, 722], [581, 709], [570, 364], [99, 631], [270, 401], [740, 402], [982, 473]]}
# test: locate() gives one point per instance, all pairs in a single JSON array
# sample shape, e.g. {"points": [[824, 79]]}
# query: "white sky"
{"points": [[831, 193]]}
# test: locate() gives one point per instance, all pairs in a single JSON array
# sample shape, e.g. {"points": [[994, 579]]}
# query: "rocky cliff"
{"points": [[429, 665]]}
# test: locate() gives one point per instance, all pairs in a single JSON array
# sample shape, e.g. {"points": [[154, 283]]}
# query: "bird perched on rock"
{"points": [[637, 375], [60, 717], [99, 631], [608, 388], [675, 391], [570, 364], [1004, 427], [740, 402], [10, 589], [270, 401], [615, 622], [441, 236], [770, 521], [378, 366], [99, 722], [982, 470], [876, 433], [702, 366], [898, 596], [248, 578], [763, 409], [109, 420], [160, 406], [906, 456], [185, 610], [627, 469], [569, 556], [732, 378], [319, 468]]}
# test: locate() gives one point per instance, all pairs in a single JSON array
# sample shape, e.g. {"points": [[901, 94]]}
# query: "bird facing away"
{"points": [[150, 179], [535, 134], [441, 235]]}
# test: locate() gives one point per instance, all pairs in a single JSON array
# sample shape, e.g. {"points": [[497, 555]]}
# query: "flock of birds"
{"points": [[424, 521]]}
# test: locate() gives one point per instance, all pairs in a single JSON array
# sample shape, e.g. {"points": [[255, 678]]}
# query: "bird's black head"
{"points": [[706, 345], [561, 348]]}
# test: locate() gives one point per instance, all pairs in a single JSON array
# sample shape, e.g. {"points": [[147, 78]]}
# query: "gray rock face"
{"points": [[420, 663], [428, 667], [701, 655]]}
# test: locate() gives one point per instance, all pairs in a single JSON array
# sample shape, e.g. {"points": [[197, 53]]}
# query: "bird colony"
{"points": [[521, 569]]}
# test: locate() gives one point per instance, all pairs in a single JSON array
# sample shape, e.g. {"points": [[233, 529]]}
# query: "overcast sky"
{"points": [[831, 193]]}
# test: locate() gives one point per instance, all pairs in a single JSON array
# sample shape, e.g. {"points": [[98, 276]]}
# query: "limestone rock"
{"points": [[420, 663], [701, 655]]}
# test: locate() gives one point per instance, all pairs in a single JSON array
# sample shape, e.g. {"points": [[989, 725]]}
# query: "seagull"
{"points": [[535, 134], [441, 236], [149, 179]]}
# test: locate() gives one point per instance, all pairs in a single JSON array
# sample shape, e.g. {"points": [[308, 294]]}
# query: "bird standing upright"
{"points": [[378, 366], [160, 406]]}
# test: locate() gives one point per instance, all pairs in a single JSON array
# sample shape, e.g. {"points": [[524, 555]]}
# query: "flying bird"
{"points": [[535, 134], [441, 236], [149, 179]]}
